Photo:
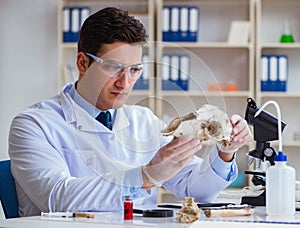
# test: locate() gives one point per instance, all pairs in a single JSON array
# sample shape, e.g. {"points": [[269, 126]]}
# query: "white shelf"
{"points": [[205, 93], [203, 45], [280, 45], [271, 15], [279, 95]]}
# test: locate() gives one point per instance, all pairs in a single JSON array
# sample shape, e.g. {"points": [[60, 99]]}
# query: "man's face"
{"points": [[104, 90]]}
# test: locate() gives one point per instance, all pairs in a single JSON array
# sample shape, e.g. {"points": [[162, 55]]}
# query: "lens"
{"points": [[111, 68], [135, 71], [114, 69]]}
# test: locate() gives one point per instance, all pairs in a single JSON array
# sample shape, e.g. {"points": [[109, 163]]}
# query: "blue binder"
{"points": [[169, 82], [175, 23], [184, 72], [282, 72], [143, 82], [67, 36], [193, 24], [175, 72], [264, 73], [166, 24], [180, 23], [274, 73], [73, 18], [184, 24]]}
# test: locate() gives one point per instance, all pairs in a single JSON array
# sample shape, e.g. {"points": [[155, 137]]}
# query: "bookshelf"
{"points": [[271, 17], [213, 61]]}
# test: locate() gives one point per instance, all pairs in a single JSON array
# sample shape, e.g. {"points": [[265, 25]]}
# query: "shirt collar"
{"points": [[87, 106]]}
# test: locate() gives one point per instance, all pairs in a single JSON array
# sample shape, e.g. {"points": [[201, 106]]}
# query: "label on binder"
{"points": [[66, 20], [174, 68], [75, 20], [84, 14], [67, 36], [165, 67], [166, 24], [193, 28], [184, 23], [143, 82], [264, 74], [175, 24], [167, 83], [273, 73], [183, 81], [283, 72]]}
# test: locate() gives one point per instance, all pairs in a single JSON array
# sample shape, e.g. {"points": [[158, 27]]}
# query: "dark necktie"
{"points": [[105, 119]]}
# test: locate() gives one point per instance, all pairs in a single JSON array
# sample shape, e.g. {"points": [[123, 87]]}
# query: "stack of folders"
{"points": [[73, 18], [274, 72], [175, 72], [180, 23], [143, 82]]}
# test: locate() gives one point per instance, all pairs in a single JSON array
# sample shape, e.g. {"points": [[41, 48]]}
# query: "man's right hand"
{"points": [[169, 160]]}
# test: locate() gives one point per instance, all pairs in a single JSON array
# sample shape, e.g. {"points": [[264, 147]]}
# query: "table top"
{"points": [[115, 219]]}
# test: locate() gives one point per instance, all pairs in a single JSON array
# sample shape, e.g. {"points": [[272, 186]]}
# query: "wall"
{"points": [[28, 60]]}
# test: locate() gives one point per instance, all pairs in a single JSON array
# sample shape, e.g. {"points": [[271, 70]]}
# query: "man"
{"points": [[64, 159]]}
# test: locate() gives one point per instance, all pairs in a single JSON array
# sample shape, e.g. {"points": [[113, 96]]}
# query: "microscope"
{"points": [[265, 128]]}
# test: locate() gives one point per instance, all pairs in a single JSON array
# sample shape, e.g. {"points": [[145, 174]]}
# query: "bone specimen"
{"points": [[206, 122], [189, 211]]}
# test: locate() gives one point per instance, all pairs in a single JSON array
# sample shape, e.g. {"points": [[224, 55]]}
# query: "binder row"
{"points": [[175, 72], [180, 23], [73, 18], [274, 72], [143, 82]]}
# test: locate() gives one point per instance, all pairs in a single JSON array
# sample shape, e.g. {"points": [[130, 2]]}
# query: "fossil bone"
{"points": [[207, 122], [189, 211]]}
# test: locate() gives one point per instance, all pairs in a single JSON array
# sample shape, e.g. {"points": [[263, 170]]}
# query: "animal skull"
{"points": [[207, 122]]}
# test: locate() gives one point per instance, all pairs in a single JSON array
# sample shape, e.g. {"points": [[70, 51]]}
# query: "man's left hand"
{"points": [[241, 135]]}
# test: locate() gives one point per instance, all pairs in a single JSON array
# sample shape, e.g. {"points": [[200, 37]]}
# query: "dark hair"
{"points": [[107, 26]]}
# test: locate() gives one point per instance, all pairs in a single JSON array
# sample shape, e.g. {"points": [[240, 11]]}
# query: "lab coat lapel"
{"points": [[75, 114], [121, 120]]}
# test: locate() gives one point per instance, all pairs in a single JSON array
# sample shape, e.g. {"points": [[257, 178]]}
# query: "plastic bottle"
{"points": [[280, 188]]}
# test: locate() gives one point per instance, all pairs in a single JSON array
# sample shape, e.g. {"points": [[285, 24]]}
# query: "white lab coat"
{"points": [[64, 160]]}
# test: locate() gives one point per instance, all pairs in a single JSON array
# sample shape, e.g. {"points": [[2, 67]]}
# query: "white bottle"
{"points": [[280, 188]]}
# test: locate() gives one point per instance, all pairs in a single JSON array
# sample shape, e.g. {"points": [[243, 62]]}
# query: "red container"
{"points": [[128, 208]]}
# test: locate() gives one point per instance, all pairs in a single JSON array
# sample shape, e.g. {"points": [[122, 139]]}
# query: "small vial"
{"points": [[128, 208]]}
